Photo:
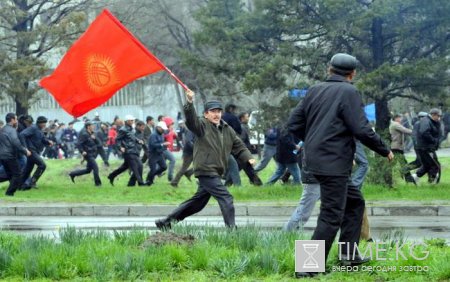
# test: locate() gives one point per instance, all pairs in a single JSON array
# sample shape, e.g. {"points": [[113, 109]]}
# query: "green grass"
{"points": [[246, 254], [55, 186]]}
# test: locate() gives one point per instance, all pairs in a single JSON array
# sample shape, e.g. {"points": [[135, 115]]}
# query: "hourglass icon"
{"points": [[310, 249]]}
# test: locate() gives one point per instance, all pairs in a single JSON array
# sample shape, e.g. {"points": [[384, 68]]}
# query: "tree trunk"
{"points": [[383, 169], [179, 99], [20, 108], [383, 116], [22, 51]]}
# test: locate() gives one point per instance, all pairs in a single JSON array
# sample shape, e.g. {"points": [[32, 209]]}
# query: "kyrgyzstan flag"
{"points": [[103, 60]]}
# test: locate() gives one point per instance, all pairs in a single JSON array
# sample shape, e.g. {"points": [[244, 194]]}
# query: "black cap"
{"points": [[41, 119], [343, 62], [87, 123], [211, 105], [28, 118]]}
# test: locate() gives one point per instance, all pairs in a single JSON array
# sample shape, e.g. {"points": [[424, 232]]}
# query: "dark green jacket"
{"points": [[213, 144]]}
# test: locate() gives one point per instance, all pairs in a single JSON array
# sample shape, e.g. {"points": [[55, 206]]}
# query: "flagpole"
{"points": [[176, 78], [108, 13]]}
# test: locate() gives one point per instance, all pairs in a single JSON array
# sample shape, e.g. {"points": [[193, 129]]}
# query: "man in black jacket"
{"points": [[229, 116], [140, 145], [328, 120], [156, 148], [131, 147], [214, 142], [88, 147], [428, 137], [24, 121], [188, 156], [35, 141], [10, 148], [416, 163], [245, 137], [148, 130]]}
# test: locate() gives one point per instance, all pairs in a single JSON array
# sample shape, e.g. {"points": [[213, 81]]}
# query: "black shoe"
{"points": [[188, 175], [163, 224], [142, 184], [257, 181], [111, 179], [410, 179], [353, 261], [25, 187], [72, 177], [33, 183], [306, 274], [173, 184], [98, 185], [9, 194]]}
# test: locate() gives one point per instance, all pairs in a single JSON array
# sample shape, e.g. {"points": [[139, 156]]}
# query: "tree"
{"points": [[238, 49], [30, 32], [165, 27], [402, 46]]}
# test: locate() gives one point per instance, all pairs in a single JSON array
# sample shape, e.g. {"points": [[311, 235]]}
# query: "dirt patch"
{"points": [[161, 238]]}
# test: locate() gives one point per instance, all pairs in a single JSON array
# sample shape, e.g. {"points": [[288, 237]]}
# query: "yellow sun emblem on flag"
{"points": [[100, 72]]}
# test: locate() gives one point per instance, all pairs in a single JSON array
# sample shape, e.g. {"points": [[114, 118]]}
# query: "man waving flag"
{"points": [[104, 59]]}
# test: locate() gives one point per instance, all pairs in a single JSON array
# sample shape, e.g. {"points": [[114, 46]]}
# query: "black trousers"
{"points": [[341, 207], [145, 156], [251, 173], [208, 186], [184, 169], [133, 162], [416, 163], [12, 169], [157, 164], [91, 165], [103, 155], [32, 160], [136, 168], [430, 163]]}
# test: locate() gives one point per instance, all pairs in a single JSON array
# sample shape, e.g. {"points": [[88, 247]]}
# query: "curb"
{"points": [[210, 210]]}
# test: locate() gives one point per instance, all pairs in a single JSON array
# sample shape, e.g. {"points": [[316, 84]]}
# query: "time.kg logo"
{"points": [[309, 255]]}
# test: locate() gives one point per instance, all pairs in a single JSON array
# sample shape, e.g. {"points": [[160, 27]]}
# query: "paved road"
{"points": [[444, 152], [415, 228]]}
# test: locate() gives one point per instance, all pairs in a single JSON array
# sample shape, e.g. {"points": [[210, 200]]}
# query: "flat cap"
{"points": [[343, 62], [422, 114], [435, 111], [211, 105]]}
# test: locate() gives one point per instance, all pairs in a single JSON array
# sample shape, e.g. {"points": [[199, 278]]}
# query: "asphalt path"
{"points": [[443, 152], [414, 227]]}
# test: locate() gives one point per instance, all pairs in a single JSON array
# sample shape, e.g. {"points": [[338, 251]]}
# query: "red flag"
{"points": [[104, 59]]}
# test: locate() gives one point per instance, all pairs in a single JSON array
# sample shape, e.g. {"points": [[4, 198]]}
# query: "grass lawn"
{"points": [[246, 254], [55, 186]]}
